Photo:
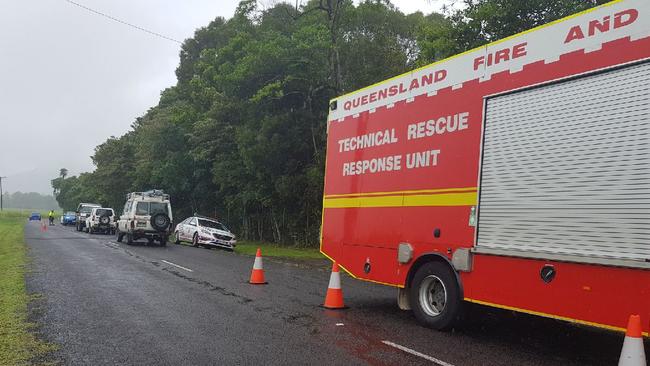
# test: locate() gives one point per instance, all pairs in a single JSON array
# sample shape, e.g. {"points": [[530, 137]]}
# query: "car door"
{"points": [[123, 222], [88, 219], [112, 218], [185, 228], [192, 228]]}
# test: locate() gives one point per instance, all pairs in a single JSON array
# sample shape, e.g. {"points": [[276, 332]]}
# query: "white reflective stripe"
{"points": [[632, 353], [335, 280], [258, 263]]}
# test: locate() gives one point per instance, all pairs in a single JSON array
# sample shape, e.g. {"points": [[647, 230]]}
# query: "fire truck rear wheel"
{"points": [[435, 296]]}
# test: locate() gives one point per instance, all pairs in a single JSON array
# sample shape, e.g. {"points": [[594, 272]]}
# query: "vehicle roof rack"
{"points": [[151, 193]]}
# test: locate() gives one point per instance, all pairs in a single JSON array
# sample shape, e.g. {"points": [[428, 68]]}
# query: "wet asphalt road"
{"points": [[105, 302]]}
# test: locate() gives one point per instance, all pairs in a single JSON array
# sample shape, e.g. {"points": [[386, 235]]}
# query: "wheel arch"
{"points": [[433, 257]]}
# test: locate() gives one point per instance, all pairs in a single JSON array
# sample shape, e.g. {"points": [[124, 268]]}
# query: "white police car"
{"points": [[204, 231]]}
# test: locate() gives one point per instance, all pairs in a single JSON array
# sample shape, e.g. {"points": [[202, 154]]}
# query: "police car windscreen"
{"points": [[212, 224]]}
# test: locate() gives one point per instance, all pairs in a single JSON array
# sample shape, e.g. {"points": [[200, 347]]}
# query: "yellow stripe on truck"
{"points": [[420, 191], [400, 200]]}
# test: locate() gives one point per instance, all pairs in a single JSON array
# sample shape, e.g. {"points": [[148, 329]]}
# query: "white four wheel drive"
{"points": [[101, 219], [146, 215], [204, 231], [83, 211]]}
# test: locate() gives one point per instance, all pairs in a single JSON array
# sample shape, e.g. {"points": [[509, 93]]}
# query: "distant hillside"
{"points": [[31, 200]]}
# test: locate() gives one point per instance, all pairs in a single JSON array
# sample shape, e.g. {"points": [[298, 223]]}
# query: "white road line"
{"points": [[176, 265], [416, 353]]}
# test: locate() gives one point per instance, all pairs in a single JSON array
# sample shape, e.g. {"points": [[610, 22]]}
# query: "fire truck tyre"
{"points": [[120, 236], [435, 296], [160, 221]]}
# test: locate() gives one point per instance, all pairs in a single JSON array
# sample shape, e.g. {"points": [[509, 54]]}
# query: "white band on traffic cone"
{"points": [[335, 281], [258, 263], [633, 353]]}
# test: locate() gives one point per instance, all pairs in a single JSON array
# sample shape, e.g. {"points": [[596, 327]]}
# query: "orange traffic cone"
{"points": [[257, 276], [633, 353], [334, 297]]}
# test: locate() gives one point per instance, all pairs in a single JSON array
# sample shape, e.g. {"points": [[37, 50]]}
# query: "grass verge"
{"points": [[273, 250], [18, 345]]}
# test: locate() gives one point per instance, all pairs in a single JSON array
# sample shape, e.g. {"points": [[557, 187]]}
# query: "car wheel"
{"points": [[195, 240], [120, 236], [177, 238], [435, 296]]}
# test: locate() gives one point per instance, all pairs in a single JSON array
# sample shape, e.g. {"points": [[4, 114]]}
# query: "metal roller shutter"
{"points": [[566, 169]]}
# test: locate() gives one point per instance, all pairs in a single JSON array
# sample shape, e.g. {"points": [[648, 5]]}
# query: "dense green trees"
{"points": [[241, 136]]}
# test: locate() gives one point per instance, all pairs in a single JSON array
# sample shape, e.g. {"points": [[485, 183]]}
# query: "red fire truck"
{"points": [[514, 175]]}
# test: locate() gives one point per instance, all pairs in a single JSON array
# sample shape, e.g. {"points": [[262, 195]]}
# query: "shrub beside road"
{"points": [[18, 345]]}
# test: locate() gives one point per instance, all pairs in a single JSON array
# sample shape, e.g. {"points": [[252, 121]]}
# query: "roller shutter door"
{"points": [[566, 169]]}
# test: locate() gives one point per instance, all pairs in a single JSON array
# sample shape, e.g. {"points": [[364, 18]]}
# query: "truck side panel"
{"points": [[367, 215], [583, 293]]}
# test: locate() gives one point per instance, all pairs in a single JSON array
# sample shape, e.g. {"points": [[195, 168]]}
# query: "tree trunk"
{"points": [[276, 235]]}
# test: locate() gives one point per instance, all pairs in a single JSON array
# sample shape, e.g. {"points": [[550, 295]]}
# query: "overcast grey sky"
{"points": [[69, 79]]}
